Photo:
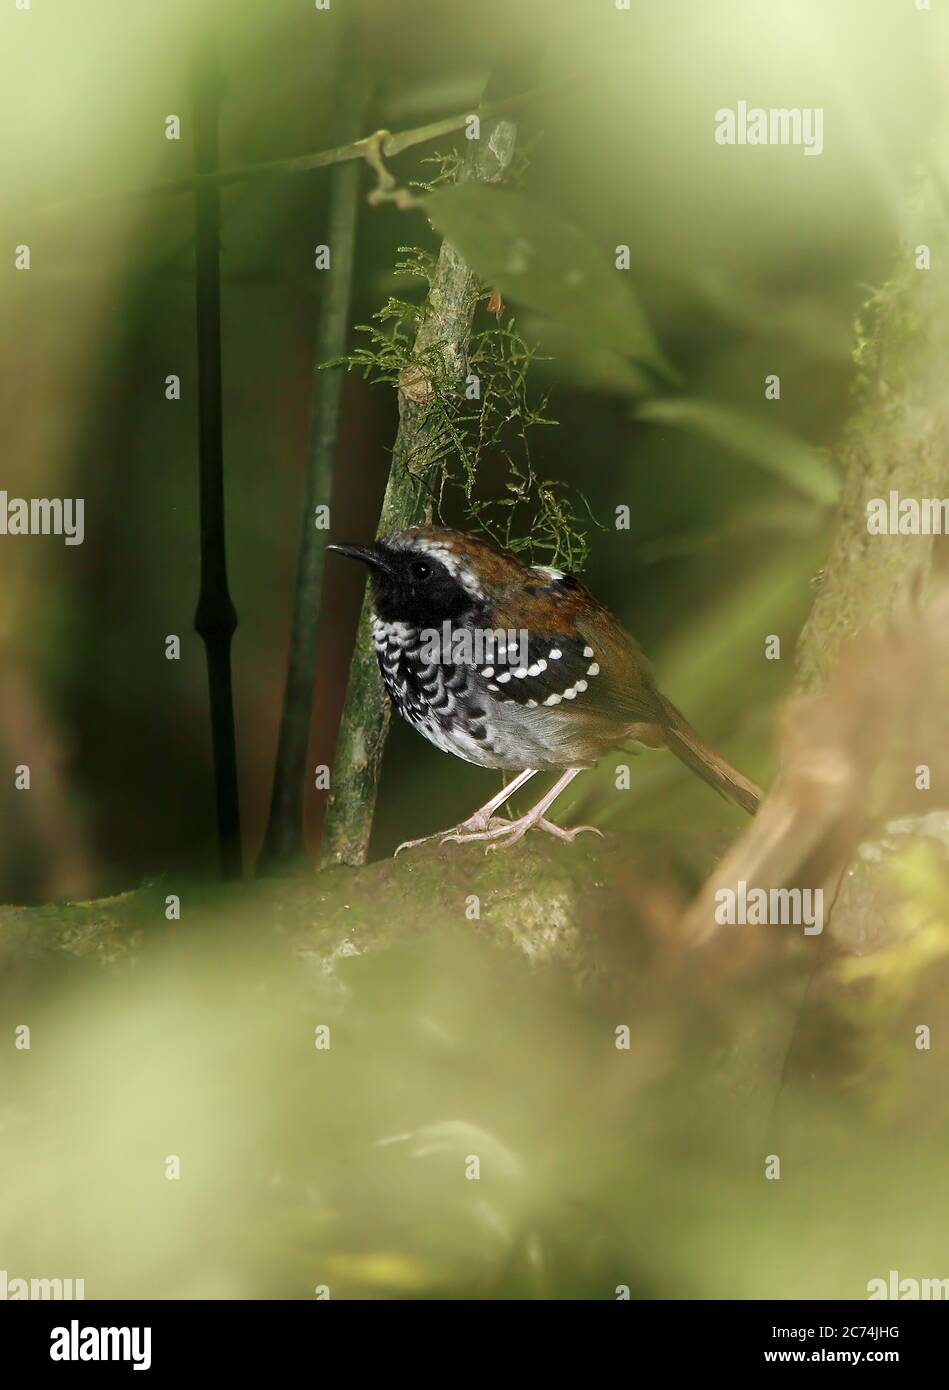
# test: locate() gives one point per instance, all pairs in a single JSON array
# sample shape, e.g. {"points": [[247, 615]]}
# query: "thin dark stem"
{"points": [[283, 847], [215, 618], [370, 148]]}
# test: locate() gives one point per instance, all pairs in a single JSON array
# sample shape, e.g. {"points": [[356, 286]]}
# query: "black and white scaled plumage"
{"points": [[515, 667]]}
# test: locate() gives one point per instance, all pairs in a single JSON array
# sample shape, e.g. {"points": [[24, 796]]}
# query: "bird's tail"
{"points": [[681, 739]]}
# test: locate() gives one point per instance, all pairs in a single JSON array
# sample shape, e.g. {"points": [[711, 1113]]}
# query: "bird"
{"points": [[516, 667]]}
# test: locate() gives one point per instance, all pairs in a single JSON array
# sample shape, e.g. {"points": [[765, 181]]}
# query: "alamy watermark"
{"points": [[14, 1289], [75, 1343], [476, 646], [753, 907], [894, 515], [907, 1289], [43, 516], [754, 125]]}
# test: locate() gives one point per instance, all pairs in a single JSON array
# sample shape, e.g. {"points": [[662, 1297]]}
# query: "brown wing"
{"points": [[577, 645], [558, 613]]}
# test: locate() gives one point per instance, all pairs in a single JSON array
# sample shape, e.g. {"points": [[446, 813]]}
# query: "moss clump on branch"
{"points": [[486, 415]]}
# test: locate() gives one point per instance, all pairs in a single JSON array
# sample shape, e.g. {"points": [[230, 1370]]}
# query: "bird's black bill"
{"points": [[372, 555]]}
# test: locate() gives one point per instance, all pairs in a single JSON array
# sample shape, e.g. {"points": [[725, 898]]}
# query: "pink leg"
{"points": [[514, 830], [482, 819]]}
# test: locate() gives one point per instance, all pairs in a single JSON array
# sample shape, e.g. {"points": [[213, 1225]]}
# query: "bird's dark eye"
{"points": [[420, 569]]}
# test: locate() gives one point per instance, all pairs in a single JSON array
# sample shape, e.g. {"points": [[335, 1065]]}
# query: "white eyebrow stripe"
{"points": [[442, 551]]}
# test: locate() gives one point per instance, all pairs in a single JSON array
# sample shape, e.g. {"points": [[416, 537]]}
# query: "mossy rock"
{"points": [[574, 906]]}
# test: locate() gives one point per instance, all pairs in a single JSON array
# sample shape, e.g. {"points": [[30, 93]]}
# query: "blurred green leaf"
{"points": [[792, 519], [778, 453], [820, 331], [714, 652], [535, 258], [565, 357]]}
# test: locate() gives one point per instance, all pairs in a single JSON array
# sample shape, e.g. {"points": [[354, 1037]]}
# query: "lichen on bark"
{"points": [[897, 439], [444, 332]]}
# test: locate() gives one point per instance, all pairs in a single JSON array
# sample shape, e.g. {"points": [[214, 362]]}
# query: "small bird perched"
{"points": [[516, 667]]}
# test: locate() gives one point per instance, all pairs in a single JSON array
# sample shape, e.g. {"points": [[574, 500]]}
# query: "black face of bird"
{"points": [[411, 586]]}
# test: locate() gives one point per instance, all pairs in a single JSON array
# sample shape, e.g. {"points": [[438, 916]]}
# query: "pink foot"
{"points": [[508, 833], [475, 824]]}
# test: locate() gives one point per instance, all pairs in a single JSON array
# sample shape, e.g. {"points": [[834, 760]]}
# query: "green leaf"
{"points": [[537, 259], [565, 357], [781, 454]]}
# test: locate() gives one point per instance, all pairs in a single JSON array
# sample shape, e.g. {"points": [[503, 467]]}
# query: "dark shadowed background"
{"points": [[748, 260]]}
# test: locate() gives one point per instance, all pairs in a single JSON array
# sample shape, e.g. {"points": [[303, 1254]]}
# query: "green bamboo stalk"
{"points": [[445, 331], [283, 848]]}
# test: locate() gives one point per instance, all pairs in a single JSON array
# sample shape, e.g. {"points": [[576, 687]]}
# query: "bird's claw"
{"points": [[503, 834], [569, 833], [469, 829]]}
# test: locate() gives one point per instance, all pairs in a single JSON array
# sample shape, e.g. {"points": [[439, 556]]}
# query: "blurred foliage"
{"points": [[347, 1165], [762, 445], [545, 263], [599, 1167]]}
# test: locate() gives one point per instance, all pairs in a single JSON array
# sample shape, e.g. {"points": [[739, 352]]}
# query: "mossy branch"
{"points": [[898, 439], [441, 345]]}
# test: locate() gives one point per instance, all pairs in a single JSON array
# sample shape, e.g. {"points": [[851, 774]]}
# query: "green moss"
{"points": [[457, 431], [557, 905]]}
